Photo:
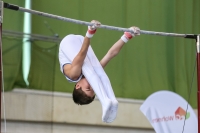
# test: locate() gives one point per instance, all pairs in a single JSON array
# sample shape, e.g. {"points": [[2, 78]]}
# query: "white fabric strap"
{"points": [[89, 35], [123, 37]]}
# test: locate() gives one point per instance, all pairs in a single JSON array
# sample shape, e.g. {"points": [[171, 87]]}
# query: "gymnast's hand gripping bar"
{"points": [[17, 8]]}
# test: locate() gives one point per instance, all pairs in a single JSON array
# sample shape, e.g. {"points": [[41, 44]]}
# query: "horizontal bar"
{"points": [[14, 7]]}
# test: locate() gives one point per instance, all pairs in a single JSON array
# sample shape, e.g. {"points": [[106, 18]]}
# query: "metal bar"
{"points": [[32, 37], [14, 7]]}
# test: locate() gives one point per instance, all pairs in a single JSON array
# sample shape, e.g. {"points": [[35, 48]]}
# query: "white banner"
{"points": [[166, 111]]}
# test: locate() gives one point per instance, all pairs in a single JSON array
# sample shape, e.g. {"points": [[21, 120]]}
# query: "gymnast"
{"points": [[80, 65]]}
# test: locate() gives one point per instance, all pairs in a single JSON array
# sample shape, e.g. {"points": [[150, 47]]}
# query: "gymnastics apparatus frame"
{"points": [[17, 8]]}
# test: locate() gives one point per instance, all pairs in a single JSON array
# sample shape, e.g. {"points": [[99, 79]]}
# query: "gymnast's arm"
{"points": [[73, 70], [112, 52], [115, 49]]}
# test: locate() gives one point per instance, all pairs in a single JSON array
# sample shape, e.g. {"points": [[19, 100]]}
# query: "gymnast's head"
{"points": [[83, 92]]}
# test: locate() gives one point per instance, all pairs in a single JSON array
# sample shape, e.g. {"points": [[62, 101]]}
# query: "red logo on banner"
{"points": [[180, 114]]}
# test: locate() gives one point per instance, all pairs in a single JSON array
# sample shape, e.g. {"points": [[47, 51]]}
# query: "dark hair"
{"points": [[80, 97]]}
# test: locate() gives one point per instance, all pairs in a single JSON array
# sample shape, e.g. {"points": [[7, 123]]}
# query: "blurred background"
{"points": [[37, 95]]}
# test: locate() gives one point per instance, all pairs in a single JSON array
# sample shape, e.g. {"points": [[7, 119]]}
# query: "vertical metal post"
{"points": [[198, 81], [1, 76]]}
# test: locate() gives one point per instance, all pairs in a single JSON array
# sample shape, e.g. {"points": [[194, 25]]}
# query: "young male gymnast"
{"points": [[79, 64]]}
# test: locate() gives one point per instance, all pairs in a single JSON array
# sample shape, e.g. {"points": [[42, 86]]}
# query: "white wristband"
{"points": [[124, 39], [89, 35]]}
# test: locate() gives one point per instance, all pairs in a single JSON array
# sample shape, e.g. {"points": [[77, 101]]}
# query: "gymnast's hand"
{"points": [[96, 24], [128, 35], [92, 29]]}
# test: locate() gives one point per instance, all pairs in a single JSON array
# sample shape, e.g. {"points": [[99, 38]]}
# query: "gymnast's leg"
{"points": [[98, 67], [106, 83], [96, 84]]}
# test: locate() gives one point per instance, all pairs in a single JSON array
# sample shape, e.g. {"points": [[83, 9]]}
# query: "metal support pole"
{"points": [[198, 81], [1, 76]]}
